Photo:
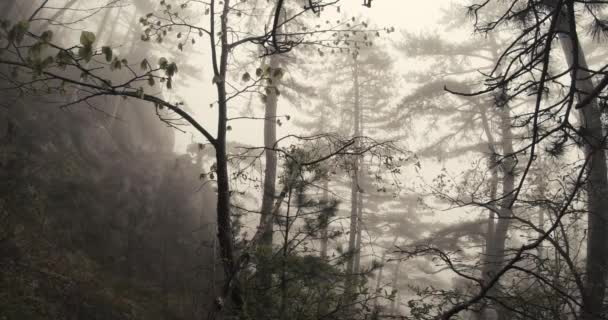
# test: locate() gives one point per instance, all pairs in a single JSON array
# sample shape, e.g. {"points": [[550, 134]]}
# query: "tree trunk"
{"points": [[323, 305], [130, 261], [487, 267], [353, 224], [394, 311], [495, 254], [540, 249], [354, 194], [165, 275], [58, 14], [356, 268], [325, 221], [491, 216], [8, 8], [597, 181], [379, 279], [493, 167], [284, 291], [264, 274], [223, 207], [224, 223], [270, 140], [382, 261]]}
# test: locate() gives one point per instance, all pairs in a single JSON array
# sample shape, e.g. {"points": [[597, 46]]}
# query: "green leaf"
{"points": [[277, 73], [17, 33], [85, 53], [47, 36], [246, 77], [171, 69], [116, 64], [151, 81], [144, 64], [107, 51], [87, 38], [63, 58], [47, 61], [35, 50], [162, 62]]}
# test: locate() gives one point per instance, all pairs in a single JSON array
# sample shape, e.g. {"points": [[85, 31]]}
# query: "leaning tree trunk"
{"points": [[597, 181]]}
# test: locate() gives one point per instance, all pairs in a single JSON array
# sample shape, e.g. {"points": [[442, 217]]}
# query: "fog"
{"points": [[303, 159]]}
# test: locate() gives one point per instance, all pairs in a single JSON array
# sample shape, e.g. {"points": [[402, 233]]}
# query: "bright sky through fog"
{"points": [[403, 15], [407, 15]]}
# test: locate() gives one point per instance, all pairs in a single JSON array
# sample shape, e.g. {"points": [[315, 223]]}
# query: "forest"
{"points": [[303, 159]]}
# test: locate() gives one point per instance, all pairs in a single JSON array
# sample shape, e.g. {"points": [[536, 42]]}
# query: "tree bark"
{"points": [[354, 195], [267, 217], [597, 181], [270, 173], [130, 250], [493, 168], [495, 248], [325, 221], [357, 266], [224, 223], [394, 310], [8, 7], [380, 278]]}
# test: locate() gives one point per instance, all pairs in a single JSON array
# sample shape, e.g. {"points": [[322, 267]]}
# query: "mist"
{"points": [[303, 159]]}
